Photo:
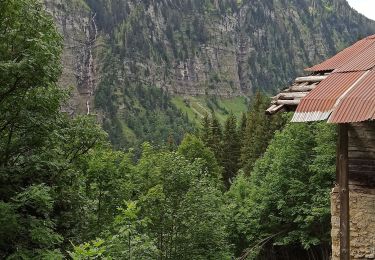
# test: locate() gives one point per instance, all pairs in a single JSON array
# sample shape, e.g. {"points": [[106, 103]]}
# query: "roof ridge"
{"points": [[340, 98]]}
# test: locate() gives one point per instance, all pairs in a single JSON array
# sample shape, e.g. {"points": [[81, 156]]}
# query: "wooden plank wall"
{"points": [[362, 154]]}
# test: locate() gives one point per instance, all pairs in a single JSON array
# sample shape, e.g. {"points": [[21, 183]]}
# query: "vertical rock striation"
{"points": [[77, 24]]}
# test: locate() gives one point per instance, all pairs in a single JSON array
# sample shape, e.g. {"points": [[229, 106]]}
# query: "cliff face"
{"points": [[117, 52], [76, 22], [225, 47], [220, 47]]}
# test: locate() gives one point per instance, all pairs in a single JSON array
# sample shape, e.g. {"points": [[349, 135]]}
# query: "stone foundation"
{"points": [[362, 223]]}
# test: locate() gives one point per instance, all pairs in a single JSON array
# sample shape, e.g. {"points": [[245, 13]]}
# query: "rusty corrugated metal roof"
{"points": [[363, 61], [319, 103], [359, 104], [343, 57], [348, 94]]}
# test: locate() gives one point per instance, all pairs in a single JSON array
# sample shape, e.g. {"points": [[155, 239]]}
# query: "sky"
{"points": [[366, 7]]}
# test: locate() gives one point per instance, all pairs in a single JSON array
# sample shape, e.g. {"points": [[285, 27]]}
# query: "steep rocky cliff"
{"points": [[76, 22], [118, 51], [225, 47]]}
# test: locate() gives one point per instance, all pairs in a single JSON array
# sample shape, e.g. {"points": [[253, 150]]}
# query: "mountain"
{"points": [[138, 63]]}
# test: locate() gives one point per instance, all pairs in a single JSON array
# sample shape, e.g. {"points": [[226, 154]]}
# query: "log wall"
{"points": [[361, 195], [362, 155]]}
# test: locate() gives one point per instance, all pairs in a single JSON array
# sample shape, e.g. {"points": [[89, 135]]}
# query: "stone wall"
{"points": [[362, 223]]}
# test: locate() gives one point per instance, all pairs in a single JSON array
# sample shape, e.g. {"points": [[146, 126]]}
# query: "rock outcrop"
{"points": [[76, 22]]}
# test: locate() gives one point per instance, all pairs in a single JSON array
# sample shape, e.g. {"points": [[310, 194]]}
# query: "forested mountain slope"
{"points": [[255, 188], [118, 51]]}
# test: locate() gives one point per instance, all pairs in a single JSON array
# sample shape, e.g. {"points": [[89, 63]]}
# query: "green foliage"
{"points": [[240, 144], [231, 149], [165, 202], [197, 107], [286, 202], [9, 222], [193, 149], [90, 250], [172, 194], [130, 242], [126, 241], [30, 53], [40, 146], [215, 138], [29, 59], [259, 131], [34, 232], [106, 176], [205, 234]]}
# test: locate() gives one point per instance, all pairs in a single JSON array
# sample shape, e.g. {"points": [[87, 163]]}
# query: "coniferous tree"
{"points": [[260, 129], [216, 136], [242, 129], [243, 122], [231, 149], [206, 129]]}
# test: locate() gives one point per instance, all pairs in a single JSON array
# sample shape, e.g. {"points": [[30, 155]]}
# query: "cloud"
{"points": [[365, 7]]}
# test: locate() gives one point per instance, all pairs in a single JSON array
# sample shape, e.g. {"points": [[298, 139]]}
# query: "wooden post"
{"points": [[344, 192]]}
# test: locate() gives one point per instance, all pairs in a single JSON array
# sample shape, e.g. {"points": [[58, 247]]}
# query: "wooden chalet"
{"points": [[341, 90]]}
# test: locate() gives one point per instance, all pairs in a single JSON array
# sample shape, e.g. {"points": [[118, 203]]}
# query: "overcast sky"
{"points": [[366, 7]]}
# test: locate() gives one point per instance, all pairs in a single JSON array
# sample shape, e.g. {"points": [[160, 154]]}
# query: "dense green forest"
{"points": [[254, 187]]}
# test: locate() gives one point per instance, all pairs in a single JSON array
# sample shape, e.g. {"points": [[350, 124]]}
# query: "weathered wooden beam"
{"points": [[274, 109], [344, 193], [292, 95], [294, 102], [302, 88], [310, 79]]}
